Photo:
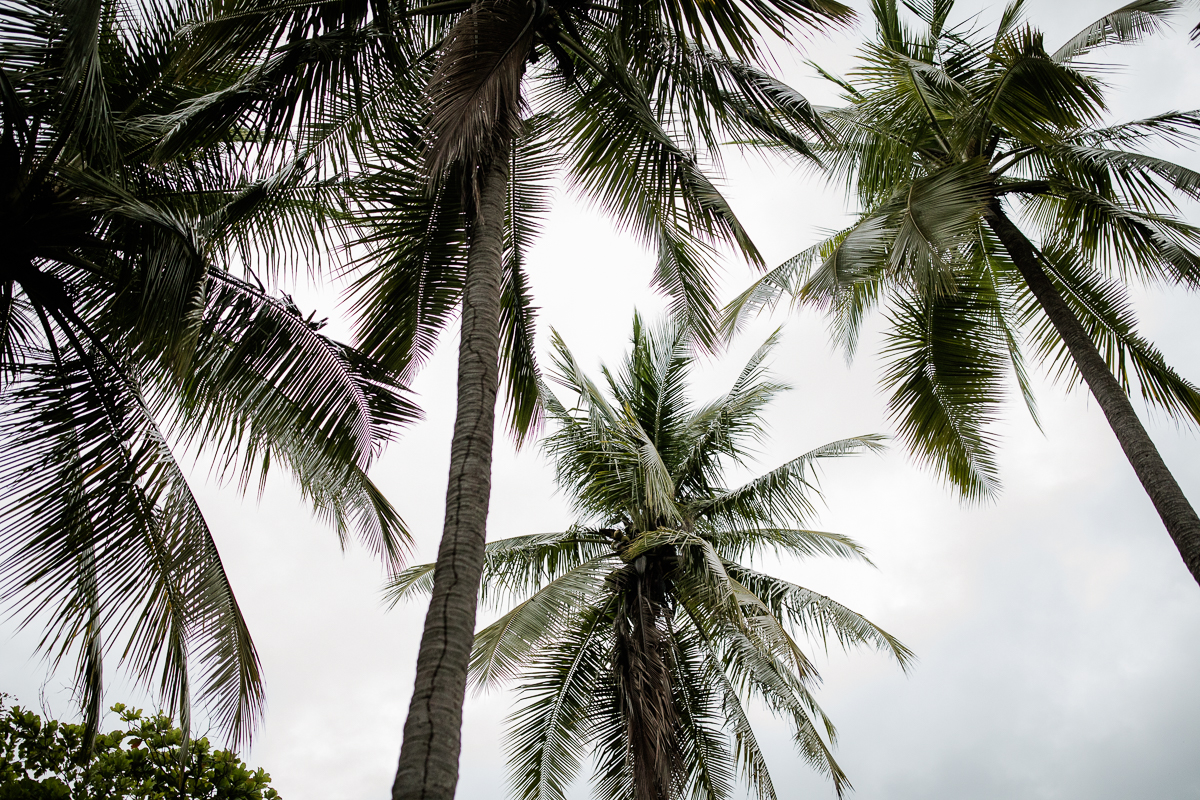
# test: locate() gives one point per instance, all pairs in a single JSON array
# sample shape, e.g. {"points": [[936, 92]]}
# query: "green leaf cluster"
{"points": [[147, 758]]}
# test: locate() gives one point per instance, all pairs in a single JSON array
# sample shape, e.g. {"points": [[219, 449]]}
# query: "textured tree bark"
{"points": [[428, 768], [1169, 500]]}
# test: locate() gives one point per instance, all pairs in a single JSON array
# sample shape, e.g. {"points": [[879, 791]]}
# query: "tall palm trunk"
{"points": [[1173, 507], [428, 768]]}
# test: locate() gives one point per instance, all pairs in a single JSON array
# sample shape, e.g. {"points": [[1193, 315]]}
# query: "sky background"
{"points": [[1056, 628]]}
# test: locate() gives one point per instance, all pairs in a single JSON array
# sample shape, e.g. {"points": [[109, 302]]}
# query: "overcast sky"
{"points": [[1057, 630]]}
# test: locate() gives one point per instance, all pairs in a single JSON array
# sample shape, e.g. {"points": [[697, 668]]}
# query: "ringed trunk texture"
{"points": [[1169, 500], [428, 768]]}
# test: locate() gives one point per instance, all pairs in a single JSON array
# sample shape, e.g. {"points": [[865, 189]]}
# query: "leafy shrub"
{"points": [[145, 759]]}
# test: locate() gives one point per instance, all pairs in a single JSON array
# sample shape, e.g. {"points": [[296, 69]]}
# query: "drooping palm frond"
{"points": [[475, 92], [548, 734], [101, 533], [1129, 23], [124, 338], [533, 161], [947, 369], [503, 647], [415, 266], [1103, 308]]}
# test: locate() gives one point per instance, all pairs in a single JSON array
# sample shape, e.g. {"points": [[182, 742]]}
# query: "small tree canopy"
{"points": [[144, 759]]}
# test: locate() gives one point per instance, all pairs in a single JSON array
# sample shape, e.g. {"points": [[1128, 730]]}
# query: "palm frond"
{"points": [[415, 261], [503, 648], [1105, 312], [783, 493], [946, 371], [475, 91], [101, 532], [1033, 97], [1179, 128], [747, 753], [548, 733], [530, 172], [734, 545], [1129, 23], [709, 766], [1126, 240], [819, 616]]}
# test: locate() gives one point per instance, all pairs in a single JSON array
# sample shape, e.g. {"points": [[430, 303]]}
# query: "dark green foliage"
{"points": [[147, 758], [125, 337], [947, 127]]}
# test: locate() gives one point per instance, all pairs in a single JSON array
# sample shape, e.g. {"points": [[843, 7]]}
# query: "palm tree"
{"points": [[944, 129], [623, 95], [629, 96], [123, 337], [639, 633]]}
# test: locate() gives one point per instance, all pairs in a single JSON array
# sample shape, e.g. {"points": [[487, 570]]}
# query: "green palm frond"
{"points": [[1103, 307], [730, 28], [621, 153], [759, 673], [101, 532], [817, 615], [782, 492], [1121, 238], [930, 220], [502, 648], [709, 770], [747, 542], [532, 164], [1129, 23], [548, 735], [747, 753], [415, 262], [1173, 128], [85, 114], [264, 385], [517, 565], [1141, 178], [718, 429], [947, 365]]}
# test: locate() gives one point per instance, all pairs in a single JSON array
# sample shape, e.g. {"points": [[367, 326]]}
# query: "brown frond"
{"points": [[475, 92]]}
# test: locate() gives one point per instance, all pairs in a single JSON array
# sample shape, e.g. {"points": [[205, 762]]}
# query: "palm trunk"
{"points": [[1173, 507], [642, 660], [428, 768]]}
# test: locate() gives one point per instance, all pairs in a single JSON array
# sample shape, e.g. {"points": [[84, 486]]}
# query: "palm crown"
{"points": [[946, 126], [123, 336], [640, 632]]}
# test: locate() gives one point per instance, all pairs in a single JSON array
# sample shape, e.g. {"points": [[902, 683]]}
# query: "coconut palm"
{"points": [[625, 97], [124, 337], [999, 212], [639, 633], [629, 97]]}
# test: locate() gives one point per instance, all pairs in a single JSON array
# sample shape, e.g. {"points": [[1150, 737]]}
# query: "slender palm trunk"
{"points": [[428, 768], [1173, 507]]}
